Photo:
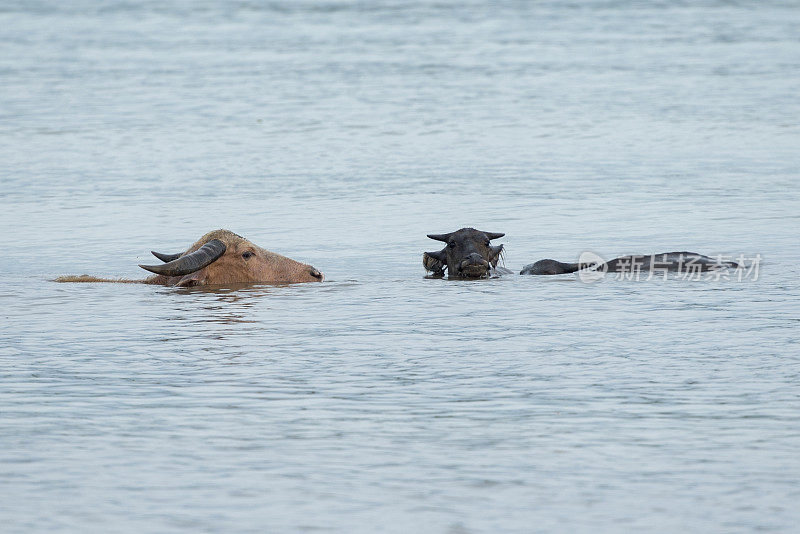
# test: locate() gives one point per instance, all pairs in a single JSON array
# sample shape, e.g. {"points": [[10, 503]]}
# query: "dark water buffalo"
{"points": [[468, 254], [688, 262], [554, 267], [218, 258]]}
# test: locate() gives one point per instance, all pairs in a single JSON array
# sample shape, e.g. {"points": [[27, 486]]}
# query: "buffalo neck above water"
{"points": [[468, 254]]}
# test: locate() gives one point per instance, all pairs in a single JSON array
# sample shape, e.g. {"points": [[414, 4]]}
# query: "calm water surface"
{"points": [[340, 133]]}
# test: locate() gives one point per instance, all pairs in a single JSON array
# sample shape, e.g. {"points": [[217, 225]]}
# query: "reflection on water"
{"points": [[231, 303], [340, 134]]}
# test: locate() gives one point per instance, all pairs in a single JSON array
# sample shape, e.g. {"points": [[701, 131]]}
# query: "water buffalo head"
{"points": [[468, 254], [222, 257]]}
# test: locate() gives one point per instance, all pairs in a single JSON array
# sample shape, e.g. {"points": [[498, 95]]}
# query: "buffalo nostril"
{"points": [[316, 274]]}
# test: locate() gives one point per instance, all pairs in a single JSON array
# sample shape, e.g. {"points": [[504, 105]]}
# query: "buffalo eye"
{"points": [[487, 243], [451, 244], [247, 255]]}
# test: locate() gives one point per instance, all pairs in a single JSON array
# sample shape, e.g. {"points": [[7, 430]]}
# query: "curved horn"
{"points": [[166, 257], [202, 257], [439, 237], [494, 235]]}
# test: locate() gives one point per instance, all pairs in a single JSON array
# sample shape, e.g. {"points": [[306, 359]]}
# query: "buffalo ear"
{"points": [[495, 257], [493, 235], [434, 261]]}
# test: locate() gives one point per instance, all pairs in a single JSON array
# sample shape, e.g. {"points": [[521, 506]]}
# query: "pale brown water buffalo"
{"points": [[468, 254], [218, 258]]}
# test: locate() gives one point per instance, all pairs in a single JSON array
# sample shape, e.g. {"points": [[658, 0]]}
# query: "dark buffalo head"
{"points": [[468, 254]]}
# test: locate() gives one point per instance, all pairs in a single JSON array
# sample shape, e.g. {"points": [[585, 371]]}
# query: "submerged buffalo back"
{"points": [[679, 262], [554, 267], [667, 261]]}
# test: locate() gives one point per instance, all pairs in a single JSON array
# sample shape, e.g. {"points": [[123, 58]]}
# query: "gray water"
{"points": [[339, 134]]}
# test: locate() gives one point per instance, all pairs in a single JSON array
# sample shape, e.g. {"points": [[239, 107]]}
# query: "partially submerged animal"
{"points": [[688, 262], [554, 267], [218, 258], [468, 254]]}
